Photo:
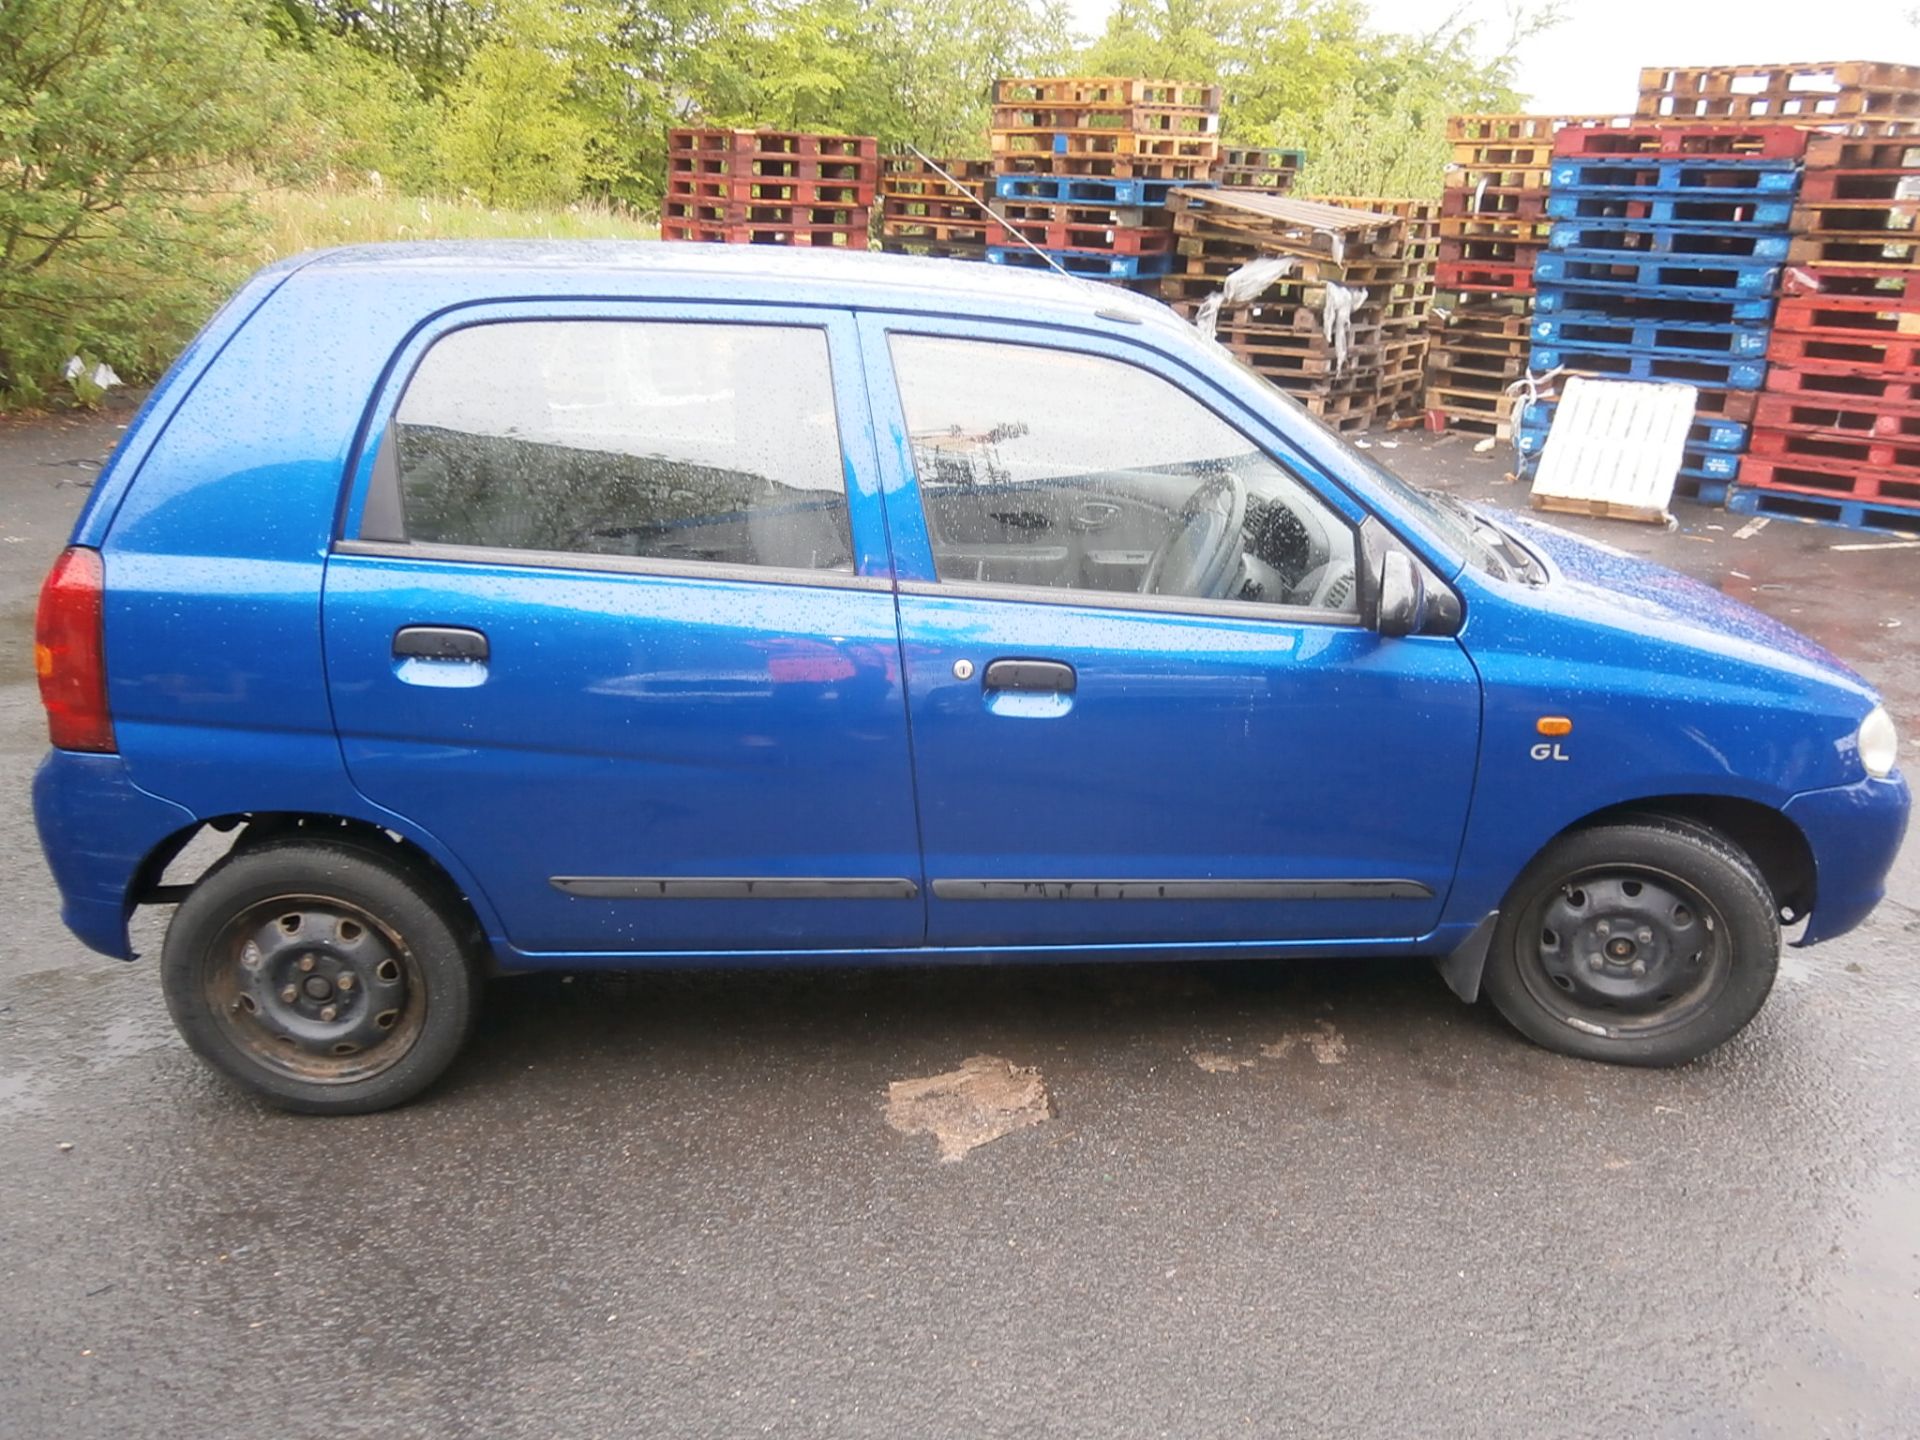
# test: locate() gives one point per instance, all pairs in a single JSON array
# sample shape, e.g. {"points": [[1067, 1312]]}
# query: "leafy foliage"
{"points": [[508, 129], [117, 118]]}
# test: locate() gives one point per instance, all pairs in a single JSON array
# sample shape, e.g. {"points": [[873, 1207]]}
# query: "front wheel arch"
{"points": [[1777, 847]]}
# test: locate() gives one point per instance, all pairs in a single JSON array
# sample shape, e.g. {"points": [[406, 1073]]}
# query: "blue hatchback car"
{"points": [[524, 606]]}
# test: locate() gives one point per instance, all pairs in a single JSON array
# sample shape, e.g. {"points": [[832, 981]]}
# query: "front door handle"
{"points": [[1030, 676], [439, 642]]}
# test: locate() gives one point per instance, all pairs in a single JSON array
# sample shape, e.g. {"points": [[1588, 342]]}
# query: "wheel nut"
{"points": [[289, 994], [330, 1012], [1646, 936], [306, 962], [1604, 928], [345, 982], [1639, 967], [1595, 962]]}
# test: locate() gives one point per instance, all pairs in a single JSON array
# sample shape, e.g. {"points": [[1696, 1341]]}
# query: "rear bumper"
{"points": [[96, 827], [1855, 832]]}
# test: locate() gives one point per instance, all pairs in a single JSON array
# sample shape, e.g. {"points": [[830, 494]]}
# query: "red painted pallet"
{"points": [[1678, 142], [750, 212], [1818, 414], [1846, 352], [1479, 276], [1891, 251], [1831, 478], [1869, 452], [1848, 316], [819, 236], [1101, 239], [1880, 389], [773, 144], [1856, 282], [768, 190]]}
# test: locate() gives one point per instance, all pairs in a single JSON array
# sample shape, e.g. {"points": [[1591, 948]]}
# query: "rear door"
{"points": [[612, 619], [1144, 708]]}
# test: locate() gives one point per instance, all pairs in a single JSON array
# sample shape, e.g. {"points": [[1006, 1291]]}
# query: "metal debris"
{"points": [[987, 1097]]}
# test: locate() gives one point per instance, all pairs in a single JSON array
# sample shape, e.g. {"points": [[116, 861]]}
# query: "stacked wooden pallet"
{"points": [[1852, 93], [1663, 264], [1083, 166], [1837, 429], [923, 213], [769, 187], [1340, 330], [1493, 224], [1243, 169]]}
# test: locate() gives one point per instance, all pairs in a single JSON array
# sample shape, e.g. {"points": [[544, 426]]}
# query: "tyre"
{"points": [[1648, 942], [319, 977]]}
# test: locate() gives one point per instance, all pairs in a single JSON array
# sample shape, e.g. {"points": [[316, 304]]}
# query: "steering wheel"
{"points": [[1199, 551]]}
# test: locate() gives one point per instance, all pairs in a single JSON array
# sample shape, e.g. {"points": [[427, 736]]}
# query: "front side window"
{"points": [[1072, 471], [644, 439]]}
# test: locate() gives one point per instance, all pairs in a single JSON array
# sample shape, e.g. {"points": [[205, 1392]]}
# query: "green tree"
{"points": [[120, 122], [512, 129]]}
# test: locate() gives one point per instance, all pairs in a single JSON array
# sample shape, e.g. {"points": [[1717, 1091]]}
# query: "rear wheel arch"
{"points": [[253, 830]]}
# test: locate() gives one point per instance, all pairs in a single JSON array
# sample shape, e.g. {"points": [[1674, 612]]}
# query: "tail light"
{"points": [[69, 652]]}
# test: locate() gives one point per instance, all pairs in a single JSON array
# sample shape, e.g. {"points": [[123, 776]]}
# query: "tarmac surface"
{"points": [[1315, 1199]]}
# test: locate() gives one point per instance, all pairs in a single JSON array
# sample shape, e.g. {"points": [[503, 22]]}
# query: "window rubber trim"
{"points": [[609, 564]]}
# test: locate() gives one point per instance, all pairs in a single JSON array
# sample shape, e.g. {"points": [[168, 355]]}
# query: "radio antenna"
{"points": [[1004, 223]]}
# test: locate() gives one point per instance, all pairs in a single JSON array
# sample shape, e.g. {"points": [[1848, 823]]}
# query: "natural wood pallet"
{"points": [[1105, 90], [1860, 187], [943, 232], [1844, 152], [1144, 120], [1863, 223], [933, 249], [1490, 250], [757, 213], [922, 209], [1808, 91], [1104, 239], [1501, 155], [1487, 129]]}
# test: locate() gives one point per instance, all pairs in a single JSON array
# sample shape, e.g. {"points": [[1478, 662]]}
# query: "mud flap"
{"points": [[1461, 969]]}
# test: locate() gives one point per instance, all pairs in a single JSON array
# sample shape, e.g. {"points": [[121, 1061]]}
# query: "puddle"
{"points": [[987, 1097]]}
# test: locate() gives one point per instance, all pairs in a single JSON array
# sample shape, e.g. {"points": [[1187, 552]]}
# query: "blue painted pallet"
{"points": [[1731, 211], [1673, 277], [1708, 432], [1090, 189], [1686, 177], [1695, 243], [1727, 307], [1093, 265], [1627, 362], [1679, 337], [1854, 514]]}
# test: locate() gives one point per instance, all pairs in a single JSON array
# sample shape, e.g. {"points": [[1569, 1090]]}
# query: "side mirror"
{"points": [[1401, 608]]}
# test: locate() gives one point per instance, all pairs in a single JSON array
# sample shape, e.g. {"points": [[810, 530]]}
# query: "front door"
{"points": [[615, 626], [1143, 707]]}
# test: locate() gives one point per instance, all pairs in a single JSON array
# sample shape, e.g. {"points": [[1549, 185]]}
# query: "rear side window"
{"points": [[643, 439]]}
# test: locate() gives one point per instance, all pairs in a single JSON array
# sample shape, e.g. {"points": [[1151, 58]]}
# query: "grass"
{"points": [[297, 220]]}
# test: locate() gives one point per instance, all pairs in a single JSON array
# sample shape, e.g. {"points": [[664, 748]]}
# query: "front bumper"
{"points": [[1855, 831], [96, 829]]}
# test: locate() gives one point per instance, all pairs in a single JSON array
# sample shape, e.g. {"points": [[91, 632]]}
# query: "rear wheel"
{"points": [[1643, 943], [319, 977]]}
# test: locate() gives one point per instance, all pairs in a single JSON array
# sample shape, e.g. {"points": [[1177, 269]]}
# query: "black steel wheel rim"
{"points": [[1625, 950], [315, 988]]}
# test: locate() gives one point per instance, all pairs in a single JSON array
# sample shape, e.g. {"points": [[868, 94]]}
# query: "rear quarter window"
{"points": [[644, 439]]}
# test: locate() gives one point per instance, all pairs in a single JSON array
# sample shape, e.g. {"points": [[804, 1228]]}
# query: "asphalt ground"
{"points": [[1311, 1199]]}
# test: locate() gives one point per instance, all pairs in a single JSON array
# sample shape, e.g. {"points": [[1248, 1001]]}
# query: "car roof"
{"points": [[826, 276]]}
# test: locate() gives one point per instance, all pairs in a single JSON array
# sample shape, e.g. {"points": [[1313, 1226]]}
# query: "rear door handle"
{"points": [[1030, 676], [439, 642]]}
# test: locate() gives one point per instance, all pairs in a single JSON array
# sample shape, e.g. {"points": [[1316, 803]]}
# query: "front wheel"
{"points": [[319, 977], [1643, 943]]}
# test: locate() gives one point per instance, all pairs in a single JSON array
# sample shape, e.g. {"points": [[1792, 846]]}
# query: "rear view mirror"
{"points": [[1401, 608]]}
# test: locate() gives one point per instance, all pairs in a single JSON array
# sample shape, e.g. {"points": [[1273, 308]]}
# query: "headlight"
{"points": [[1879, 745]]}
